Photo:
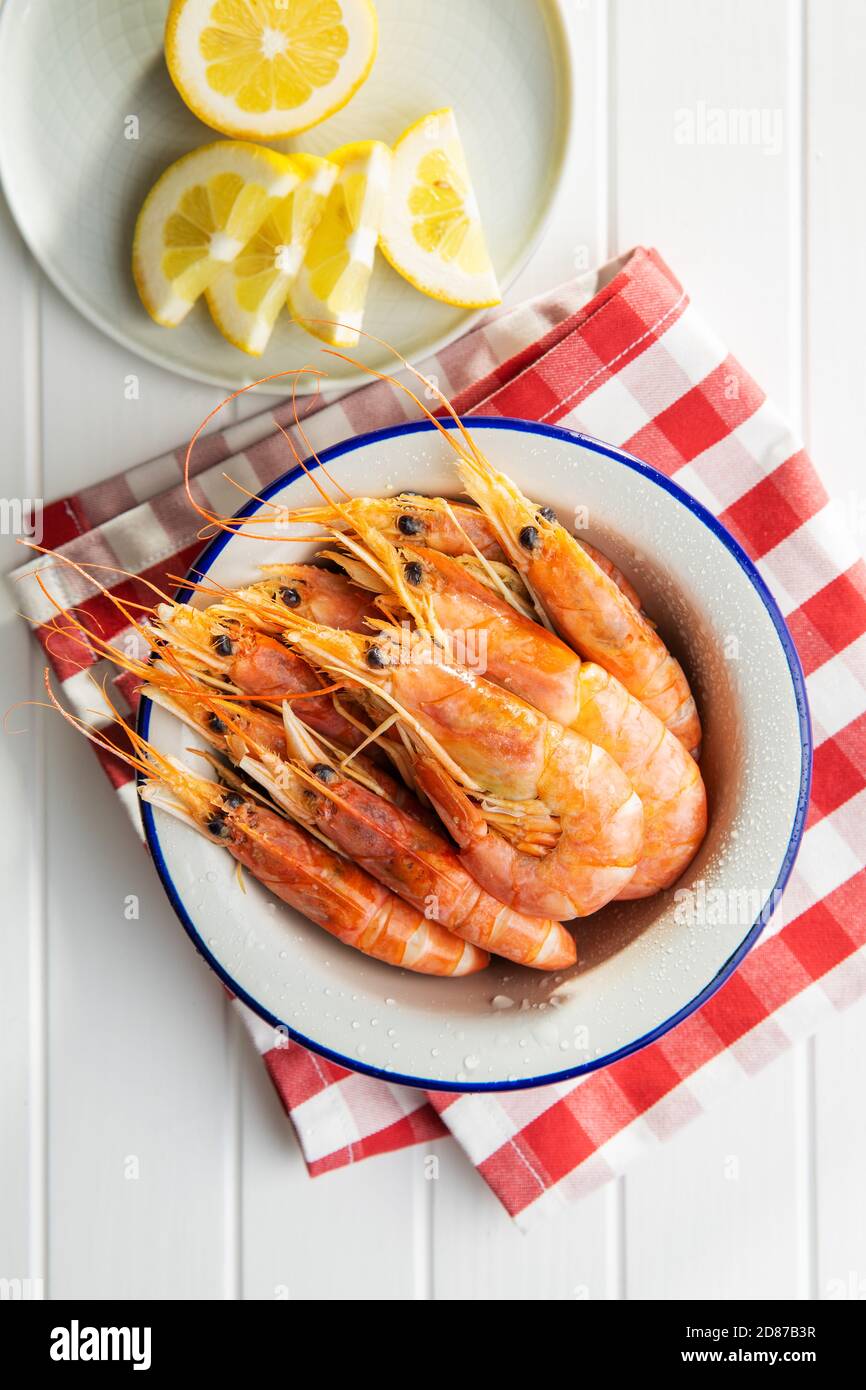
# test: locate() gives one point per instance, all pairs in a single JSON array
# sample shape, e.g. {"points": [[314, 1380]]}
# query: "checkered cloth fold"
{"points": [[621, 355]]}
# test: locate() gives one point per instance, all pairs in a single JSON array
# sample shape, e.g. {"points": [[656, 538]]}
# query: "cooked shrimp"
{"points": [[258, 665], [402, 851], [339, 602], [319, 594], [494, 573], [254, 663], [444, 598], [613, 573], [208, 713], [234, 728], [298, 869], [358, 819], [451, 527], [180, 668], [546, 821], [574, 592], [582, 601]]}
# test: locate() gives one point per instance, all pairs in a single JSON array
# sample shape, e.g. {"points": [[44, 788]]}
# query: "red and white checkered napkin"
{"points": [[623, 356]]}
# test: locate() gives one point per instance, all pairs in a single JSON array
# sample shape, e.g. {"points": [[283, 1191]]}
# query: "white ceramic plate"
{"points": [[641, 966], [79, 78]]}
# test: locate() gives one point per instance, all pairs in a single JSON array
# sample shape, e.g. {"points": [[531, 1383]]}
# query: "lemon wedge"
{"points": [[198, 216], [247, 296], [431, 228], [265, 69], [332, 282]]}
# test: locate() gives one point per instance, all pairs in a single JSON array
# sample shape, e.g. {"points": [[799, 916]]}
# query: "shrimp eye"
{"points": [[547, 514], [413, 572], [216, 724], [324, 773], [223, 645], [376, 658], [291, 598], [216, 825], [233, 800], [529, 538], [409, 525]]}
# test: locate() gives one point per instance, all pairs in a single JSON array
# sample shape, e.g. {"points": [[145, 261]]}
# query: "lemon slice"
{"points": [[332, 283], [431, 229], [199, 214], [269, 68], [247, 295]]}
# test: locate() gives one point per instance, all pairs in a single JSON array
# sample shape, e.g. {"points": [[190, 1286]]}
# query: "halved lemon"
{"points": [[332, 282], [431, 228], [269, 68], [247, 295], [198, 216]]}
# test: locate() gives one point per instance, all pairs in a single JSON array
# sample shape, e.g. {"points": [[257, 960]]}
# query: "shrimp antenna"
{"points": [[385, 570], [232, 523], [333, 504], [427, 382], [141, 756], [68, 626], [302, 432], [472, 456], [75, 629]]}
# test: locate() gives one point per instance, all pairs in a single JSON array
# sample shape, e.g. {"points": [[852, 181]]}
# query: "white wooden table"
{"points": [[118, 1053]]}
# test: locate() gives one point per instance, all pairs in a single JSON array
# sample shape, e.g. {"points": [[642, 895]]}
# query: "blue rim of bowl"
{"points": [[209, 554]]}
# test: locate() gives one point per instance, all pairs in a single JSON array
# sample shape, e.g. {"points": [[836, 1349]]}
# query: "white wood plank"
{"points": [[138, 1123], [840, 1144], [836, 307], [140, 1128], [575, 239], [95, 423], [478, 1252], [341, 1236], [22, 1002], [836, 231], [714, 1212], [720, 214], [138, 1042]]}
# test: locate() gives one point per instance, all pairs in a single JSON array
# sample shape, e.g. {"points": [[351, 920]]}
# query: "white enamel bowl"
{"points": [[642, 966]]}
